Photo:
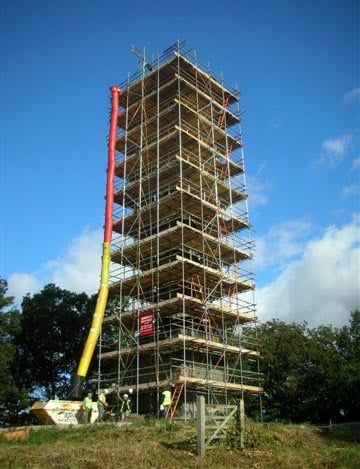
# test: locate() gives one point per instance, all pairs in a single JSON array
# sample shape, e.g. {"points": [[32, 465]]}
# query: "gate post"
{"points": [[200, 426], [241, 410]]}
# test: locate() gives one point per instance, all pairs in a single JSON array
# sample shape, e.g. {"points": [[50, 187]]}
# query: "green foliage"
{"points": [[54, 324], [349, 375], [310, 374], [11, 397]]}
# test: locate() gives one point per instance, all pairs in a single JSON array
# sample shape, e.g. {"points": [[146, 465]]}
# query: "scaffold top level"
{"points": [[179, 48]]}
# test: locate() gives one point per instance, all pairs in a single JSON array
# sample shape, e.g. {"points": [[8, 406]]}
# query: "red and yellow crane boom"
{"points": [[105, 264]]}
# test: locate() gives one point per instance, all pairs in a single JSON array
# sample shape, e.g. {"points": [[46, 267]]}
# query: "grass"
{"points": [[152, 444]]}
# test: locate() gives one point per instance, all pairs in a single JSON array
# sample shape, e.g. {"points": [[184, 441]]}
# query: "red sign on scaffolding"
{"points": [[146, 323]]}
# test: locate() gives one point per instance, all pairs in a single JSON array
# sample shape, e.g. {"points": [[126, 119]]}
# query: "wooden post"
{"points": [[242, 422], [200, 417]]}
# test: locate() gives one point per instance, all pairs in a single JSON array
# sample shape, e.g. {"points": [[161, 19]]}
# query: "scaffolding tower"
{"points": [[181, 252]]}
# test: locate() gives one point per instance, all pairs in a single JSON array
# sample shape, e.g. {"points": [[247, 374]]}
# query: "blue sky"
{"points": [[297, 66]]}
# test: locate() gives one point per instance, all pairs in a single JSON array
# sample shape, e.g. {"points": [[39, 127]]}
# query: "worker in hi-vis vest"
{"points": [[125, 409], [88, 405], [165, 402]]}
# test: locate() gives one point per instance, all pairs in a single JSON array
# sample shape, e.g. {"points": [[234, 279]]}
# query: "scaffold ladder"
{"points": [[197, 287], [221, 118], [224, 172], [228, 152], [223, 227], [231, 290], [171, 412], [208, 324]]}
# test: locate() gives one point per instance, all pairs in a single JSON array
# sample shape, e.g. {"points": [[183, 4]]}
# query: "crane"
{"points": [[70, 411]]}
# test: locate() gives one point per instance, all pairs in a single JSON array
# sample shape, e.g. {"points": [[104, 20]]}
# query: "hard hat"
{"points": [[126, 396]]}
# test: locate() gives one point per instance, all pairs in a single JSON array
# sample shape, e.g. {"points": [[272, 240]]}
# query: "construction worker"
{"points": [[125, 409], [165, 404], [88, 405], [102, 404]]}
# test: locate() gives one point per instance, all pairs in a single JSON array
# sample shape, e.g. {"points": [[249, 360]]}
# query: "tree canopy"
{"points": [[310, 374], [10, 394], [53, 327]]}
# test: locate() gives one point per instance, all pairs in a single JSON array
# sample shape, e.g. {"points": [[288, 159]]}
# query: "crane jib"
{"points": [[98, 315]]}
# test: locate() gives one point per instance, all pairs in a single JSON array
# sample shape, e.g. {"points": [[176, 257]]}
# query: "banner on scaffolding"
{"points": [[146, 323]]}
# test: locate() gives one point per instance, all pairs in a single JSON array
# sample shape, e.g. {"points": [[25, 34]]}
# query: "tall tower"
{"points": [[181, 252]]}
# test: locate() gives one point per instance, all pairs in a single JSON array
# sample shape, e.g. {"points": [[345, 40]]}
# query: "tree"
{"points": [[284, 358], [54, 324], [321, 401], [10, 395], [310, 374], [349, 375]]}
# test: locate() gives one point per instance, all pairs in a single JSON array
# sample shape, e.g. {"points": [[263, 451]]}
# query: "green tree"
{"points": [[321, 400], [10, 395], [284, 359], [54, 325], [348, 377], [310, 374]]}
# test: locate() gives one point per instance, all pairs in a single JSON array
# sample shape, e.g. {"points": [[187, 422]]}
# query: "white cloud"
{"points": [[333, 151], [258, 189], [323, 286], [76, 269], [20, 284], [337, 146], [356, 164], [336, 149], [282, 242], [350, 191], [351, 95]]}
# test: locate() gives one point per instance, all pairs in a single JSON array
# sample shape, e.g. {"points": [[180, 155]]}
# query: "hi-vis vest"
{"points": [[88, 403], [167, 398]]}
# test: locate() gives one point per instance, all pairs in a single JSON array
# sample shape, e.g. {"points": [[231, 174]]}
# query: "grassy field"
{"points": [[152, 444]]}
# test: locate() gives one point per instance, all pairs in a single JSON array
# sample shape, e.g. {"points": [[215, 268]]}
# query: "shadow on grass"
{"points": [[51, 434], [188, 445], [348, 432]]}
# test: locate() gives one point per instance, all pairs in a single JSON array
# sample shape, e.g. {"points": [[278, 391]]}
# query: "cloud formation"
{"points": [[337, 147], [333, 151], [258, 189], [76, 269], [356, 164], [321, 287], [350, 191], [282, 243], [351, 96], [20, 284]]}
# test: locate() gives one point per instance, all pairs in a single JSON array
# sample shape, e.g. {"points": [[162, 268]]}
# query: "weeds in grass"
{"points": [[154, 443]]}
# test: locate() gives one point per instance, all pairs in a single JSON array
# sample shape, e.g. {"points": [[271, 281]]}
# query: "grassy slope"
{"points": [[153, 445]]}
